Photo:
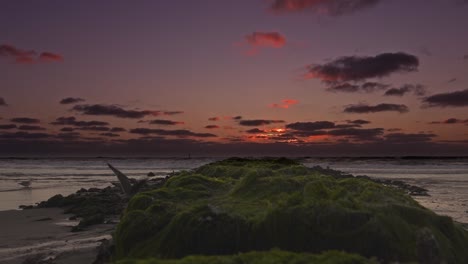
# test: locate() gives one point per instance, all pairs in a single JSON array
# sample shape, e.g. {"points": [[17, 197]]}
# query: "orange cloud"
{"points": [[285, 104], [259, 40], [27, 56], [50, 57]]}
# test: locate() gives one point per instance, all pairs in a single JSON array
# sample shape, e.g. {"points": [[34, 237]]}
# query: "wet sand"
{"points": [[45, 234]]}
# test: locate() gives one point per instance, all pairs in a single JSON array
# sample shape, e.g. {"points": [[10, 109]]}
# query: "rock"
{"points": [[242, 205], [151, 174]]}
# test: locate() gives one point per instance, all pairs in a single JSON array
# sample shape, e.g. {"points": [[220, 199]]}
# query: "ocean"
{"points": [[445, 178]]}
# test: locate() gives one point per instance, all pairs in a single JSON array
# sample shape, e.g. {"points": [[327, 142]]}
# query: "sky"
{"points": [[224, 78]]}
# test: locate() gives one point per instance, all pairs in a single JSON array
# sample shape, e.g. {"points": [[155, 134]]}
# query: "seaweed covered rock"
{"points": [[242, 205], [274, 256]]}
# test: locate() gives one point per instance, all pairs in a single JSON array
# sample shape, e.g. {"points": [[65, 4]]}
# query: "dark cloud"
{"points": [[452, 80], [71, 121], [403, 138], [311, 126], [30, 128], [365, 109], [213, 118], [259, 122], [367, 87], [25, 120], [118, 129], [255, 131], [358, 122], [71, 100], [172, 112], [9, 126], [354, 68], [115, 111], [328, 7], [451, 121], [50, 57], [394, 129], [162, 132], [361, 134], [109, 135], [3, 102], [67, 129], [94, 128], [165, 122], [211, 127], [416, 89], [24, 135], [451, 99], [69, 136]]}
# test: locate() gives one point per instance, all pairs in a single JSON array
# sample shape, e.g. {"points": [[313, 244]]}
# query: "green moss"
{"points": [[240, 205], [274, 256]]}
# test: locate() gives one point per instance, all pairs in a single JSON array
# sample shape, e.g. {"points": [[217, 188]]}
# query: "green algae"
{"points": [[270, 257], [242, 205]]}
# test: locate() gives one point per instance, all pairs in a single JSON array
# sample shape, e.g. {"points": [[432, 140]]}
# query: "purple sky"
{"points": [[161, 69]]}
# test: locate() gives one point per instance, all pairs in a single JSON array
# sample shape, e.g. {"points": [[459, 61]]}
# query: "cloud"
{"points": [[416, 89], [327, 7], [172, 112], [361, 134], [109, 135], [365, 109], [266, 39], [71, 121], [354, 68], [311, 126], [25, 120], [255, 131], [3, 102], [259, 122], [165, 122], [67, 129], [162, 132], [24, 135], [69, 136], [451, 99], [50, 57], [465, 57], [285, 104], [28, 56], [450, 121], [118, 129], [94, 128], [30, 128], [217, 118], [18, 55], [259, 40], [358, 122], [212, 127], [71, 100], [9, 126], [402, 138], [367, 87], [115, 111]]}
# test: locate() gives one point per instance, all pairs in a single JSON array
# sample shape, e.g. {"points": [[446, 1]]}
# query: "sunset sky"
{"points": [[244, 77]]}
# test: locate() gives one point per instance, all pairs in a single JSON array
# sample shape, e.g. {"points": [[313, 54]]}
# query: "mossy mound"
{"points": [[274, 256], [240, 205]]}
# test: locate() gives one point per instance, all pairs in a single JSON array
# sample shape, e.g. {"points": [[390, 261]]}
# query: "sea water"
{"points": [[445, 178]]}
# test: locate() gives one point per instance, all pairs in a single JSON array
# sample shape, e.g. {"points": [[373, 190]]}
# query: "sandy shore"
{"points": [[45, 234]]}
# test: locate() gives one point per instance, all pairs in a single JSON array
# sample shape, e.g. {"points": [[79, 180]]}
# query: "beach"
{"points": [[44, 235]]}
